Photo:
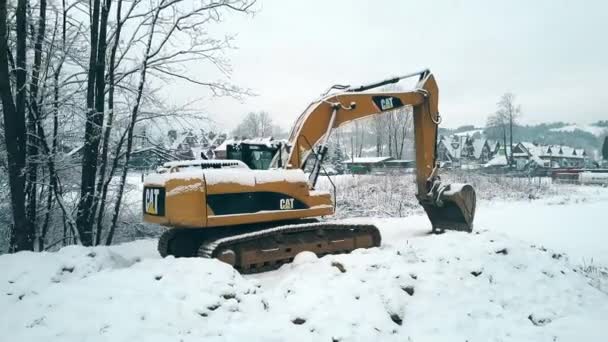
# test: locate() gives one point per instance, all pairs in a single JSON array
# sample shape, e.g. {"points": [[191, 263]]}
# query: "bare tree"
{"points": [[399, 125], [22, 234], [256, 124], [265, 124], [78, 64], [504, 119], [166, 20], [380, 124]]}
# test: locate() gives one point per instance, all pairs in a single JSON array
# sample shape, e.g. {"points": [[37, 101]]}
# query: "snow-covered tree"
{"points": [[77, 87], [335, 156], [257, 124]]}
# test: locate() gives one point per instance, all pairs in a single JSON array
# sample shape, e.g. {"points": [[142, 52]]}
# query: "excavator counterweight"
{"points": [[257, 220]]}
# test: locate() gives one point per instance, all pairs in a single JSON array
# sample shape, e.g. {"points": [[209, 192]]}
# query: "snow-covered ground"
{"points": [[519, 277]]}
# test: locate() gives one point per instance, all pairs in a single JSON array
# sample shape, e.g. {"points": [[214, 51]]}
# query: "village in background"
{"points": [[384, 145]]}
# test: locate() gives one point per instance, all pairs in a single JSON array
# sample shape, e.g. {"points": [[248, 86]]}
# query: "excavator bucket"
{"points": [[452, 208]]}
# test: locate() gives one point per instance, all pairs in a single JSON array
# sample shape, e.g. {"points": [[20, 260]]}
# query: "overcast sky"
{"points": [[552, 54]]}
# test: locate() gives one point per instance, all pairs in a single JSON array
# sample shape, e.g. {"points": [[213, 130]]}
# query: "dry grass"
{"points": [[394, 195]]}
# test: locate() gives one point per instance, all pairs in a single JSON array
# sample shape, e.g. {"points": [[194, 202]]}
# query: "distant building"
{"points": [[450, 149], [459, 150], [194, 144], [148, 158], [367, 165], [549, 155], [528, 156]]}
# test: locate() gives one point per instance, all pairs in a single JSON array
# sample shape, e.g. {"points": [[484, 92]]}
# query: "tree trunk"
{"points": [[511, 139], [34, 116], [504, 138], [22, 236], [91, 141], [134, 114], [100, 70]]}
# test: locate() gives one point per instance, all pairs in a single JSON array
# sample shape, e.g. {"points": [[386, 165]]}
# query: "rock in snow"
{"points": [[128, 293]]}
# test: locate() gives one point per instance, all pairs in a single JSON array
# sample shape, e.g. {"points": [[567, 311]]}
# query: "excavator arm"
{"points": [[448, 206]]}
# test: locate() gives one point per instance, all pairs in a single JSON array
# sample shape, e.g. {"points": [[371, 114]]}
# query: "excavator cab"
{"points": [[257, 154]]}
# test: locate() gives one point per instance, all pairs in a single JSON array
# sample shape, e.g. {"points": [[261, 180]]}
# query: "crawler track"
{"points": [[266, 249]]}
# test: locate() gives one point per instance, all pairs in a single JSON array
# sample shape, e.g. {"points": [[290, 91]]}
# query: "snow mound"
{"points": [[304, 258], [452, 287]]}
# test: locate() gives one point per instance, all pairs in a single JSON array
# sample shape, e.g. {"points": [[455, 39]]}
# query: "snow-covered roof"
{"points": [[563, 151], [222, 146], [498, 160], [552, 150], [454, 146], [367, 160], [540, 162], [181, 137], [478, 145], [470, 132]]}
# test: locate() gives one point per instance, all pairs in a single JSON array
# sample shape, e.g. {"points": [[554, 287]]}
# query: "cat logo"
{"points": [[154, 201], [286, 203], [386, 103]]}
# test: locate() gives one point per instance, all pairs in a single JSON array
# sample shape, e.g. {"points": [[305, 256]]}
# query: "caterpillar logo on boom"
{"points": [[286, 203], [385, 103]]}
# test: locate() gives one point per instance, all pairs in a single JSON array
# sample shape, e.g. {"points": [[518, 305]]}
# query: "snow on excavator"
{"points": [[257, 220]]}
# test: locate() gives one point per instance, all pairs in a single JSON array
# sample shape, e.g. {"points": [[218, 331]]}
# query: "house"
{"points": [[183, 145], [549, 156], [450, 149], [364, 165], [530, 156], [149, 158], [479, 150], [192, 144], [459, 150]]}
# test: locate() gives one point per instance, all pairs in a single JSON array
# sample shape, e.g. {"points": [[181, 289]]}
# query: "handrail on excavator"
{"points": [[350, 89], [365, 87]]}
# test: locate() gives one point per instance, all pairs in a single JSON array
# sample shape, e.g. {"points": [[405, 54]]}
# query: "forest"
{"points": [[77, 79]]}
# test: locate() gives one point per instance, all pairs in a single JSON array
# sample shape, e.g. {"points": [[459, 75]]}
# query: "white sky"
{"points": [[552, 54]]}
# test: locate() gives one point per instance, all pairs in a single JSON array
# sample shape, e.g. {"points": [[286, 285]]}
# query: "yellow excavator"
{"points": [[257, 220]]}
